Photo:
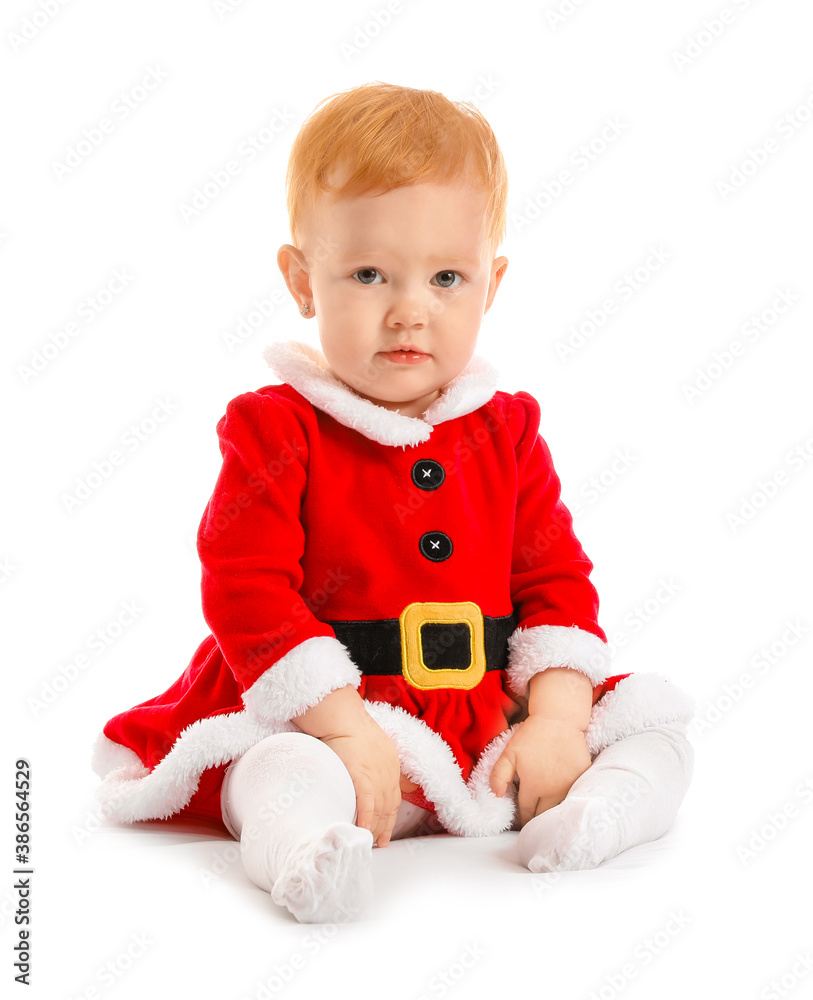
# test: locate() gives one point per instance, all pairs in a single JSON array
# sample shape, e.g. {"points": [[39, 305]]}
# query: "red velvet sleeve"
{"points": [[550, 572], [250, 540]]}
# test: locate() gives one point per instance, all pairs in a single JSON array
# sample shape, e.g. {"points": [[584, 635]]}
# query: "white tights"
{"points": [[629, 795], [291, 803]]}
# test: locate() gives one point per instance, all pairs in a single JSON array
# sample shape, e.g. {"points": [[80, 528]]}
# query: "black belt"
{"points": [[376, 646]]}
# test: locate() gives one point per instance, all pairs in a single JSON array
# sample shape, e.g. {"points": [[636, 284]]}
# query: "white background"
{"points": [[693, 105]]}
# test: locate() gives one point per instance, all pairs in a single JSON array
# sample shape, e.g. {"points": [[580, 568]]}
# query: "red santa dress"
{"points": [[429, 562]]}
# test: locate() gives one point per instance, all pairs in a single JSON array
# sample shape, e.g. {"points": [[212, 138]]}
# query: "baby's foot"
{"points": [[629, 795], [577, 834], [328, 879]]}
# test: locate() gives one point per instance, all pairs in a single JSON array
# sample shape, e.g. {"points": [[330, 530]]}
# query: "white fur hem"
{"points": [[468, 809], [636, 703], [130, 792], [532, 650], [301, 679]]}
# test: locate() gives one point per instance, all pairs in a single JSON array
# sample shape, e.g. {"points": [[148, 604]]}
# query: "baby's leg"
{"points": [[629, 795], [291, 803]]}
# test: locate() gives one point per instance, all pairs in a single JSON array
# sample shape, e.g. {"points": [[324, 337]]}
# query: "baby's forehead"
{"points": [[453, 216]]}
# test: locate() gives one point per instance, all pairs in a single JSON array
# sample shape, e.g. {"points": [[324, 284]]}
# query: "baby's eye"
{"points": [[449, 276], [366, 272], [367, 276]]}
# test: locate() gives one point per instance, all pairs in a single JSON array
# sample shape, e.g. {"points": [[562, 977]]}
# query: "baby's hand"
{"points": [[548, 755], [372, 760]]}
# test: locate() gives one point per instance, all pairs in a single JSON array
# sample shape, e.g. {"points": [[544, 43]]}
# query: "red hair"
{"points": [[390, 136]]}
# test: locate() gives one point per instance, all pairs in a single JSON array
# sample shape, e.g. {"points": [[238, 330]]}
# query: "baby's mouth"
{"points": [[404, 357]]}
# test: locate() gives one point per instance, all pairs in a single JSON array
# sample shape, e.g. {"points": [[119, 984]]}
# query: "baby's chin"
{"points": [[414, 406]]}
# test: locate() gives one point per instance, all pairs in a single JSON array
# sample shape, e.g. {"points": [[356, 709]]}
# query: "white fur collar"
{"points": [[306, 369]]}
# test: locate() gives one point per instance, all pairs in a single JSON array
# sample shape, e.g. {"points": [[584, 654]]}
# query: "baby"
{"points": [[404, 636]]}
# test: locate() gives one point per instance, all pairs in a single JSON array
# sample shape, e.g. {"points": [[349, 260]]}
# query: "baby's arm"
{"points": [[342, 722], [549, 749], [251, 542], [558, 653]]}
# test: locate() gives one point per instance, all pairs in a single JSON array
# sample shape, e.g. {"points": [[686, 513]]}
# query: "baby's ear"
{"points": [[294, 269], [498, 269]]}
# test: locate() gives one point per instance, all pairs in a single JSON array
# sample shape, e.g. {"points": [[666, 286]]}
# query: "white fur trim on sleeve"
{"points": [[300, 679], [637, 702], [532, 650]]}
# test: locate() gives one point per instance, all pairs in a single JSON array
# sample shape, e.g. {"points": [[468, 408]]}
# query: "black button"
{"points": [[427, 474], [435, 546]]}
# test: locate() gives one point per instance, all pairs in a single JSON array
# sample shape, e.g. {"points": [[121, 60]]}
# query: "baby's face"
{"points": [[406, 269]]}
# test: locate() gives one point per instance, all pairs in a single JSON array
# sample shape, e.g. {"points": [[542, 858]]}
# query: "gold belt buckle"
{"points": [[416, 672]]}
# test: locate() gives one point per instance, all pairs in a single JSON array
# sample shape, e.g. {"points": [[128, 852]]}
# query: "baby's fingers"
{"points": [[381, 809], [388, 822], [502, 773], [367, 816], [374, 816]]}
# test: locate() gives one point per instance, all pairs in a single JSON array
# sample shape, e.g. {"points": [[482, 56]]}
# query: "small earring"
{"points": [[304, 309]]}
